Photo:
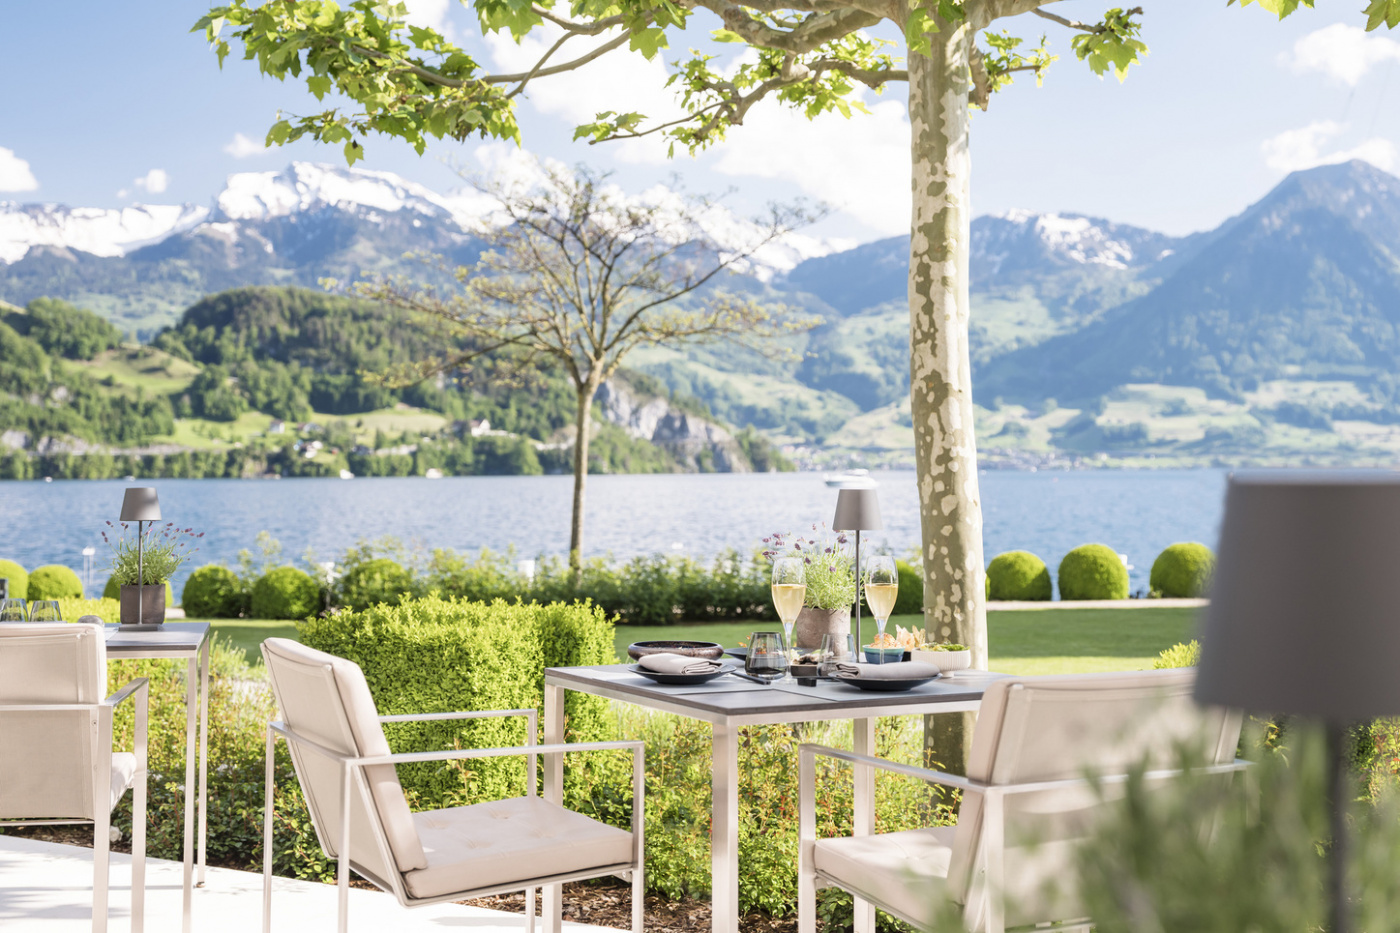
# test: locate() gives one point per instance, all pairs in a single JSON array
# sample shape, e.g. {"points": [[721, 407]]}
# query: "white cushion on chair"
{"points": [[904, 870], [123, 771], [508, 841]]}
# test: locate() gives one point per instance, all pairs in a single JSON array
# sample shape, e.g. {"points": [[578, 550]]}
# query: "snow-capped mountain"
{"points": [[99, 231], [1017, 240]]}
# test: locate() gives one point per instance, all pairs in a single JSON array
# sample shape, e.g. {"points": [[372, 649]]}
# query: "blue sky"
{"points": [[107, 103]]}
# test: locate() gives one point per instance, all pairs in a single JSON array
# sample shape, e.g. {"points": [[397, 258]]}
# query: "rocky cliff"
{"points": [[695, 442]]}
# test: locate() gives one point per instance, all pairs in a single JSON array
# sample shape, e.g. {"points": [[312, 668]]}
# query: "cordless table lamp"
{"points": [[857, 510], [140, 505], [1303, 617]]}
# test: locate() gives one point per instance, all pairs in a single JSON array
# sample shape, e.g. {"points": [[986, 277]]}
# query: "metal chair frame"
{"points": [[353, 775], [100, 725], [993, 845]]}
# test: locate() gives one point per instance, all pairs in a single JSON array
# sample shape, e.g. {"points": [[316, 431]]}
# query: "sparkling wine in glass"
{"points": [[789, 590], [881, 589]]}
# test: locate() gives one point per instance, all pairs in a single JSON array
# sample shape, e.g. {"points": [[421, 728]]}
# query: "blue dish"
{"points": [[884, 655]]}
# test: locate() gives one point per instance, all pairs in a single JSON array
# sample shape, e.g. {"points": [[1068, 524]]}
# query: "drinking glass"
{"points": [[881, 589], [836, 649], [767, 657], [13, 610], [789, 590], [45, 610]]}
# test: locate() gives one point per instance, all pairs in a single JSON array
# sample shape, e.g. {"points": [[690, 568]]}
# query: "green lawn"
{"points": [[1036, 641], [1053, 640]]}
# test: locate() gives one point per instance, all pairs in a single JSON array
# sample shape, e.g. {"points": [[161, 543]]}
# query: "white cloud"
{"points": [[1304, 147], [1342, 52], [14, 173], [432, 14], [244, 147], [153, 182]]}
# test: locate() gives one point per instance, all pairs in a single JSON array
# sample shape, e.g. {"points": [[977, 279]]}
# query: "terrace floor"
{"points": [[46, 887]]}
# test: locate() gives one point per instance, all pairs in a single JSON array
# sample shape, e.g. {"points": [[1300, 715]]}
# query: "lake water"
{"points": [[1136, 512]]}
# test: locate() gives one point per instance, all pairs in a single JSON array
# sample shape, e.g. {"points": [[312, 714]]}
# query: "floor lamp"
{"points": [[857, 510], [1304, 555]]}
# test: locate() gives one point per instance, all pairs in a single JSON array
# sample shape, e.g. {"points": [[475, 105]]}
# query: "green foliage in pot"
{"points": [[1020, 576], [54, 581], [215, 592], [1093, 571], [149, 557], [381, 580], [285, 593], [827, 562], [1183, 570], [18, 577], [113, 590]]}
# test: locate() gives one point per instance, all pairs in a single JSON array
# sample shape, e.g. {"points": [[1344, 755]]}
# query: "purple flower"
{"points": [[807, 559], [832, 568], [797, 545]]}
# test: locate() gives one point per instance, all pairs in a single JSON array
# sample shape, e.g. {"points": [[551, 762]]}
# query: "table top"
{"points": [[174, 639], [735, 701]]}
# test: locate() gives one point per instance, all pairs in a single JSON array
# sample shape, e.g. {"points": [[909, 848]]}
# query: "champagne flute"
{"points": [[45, 610], [789, 590], [13, 610], [881, 589], [767, 656]]}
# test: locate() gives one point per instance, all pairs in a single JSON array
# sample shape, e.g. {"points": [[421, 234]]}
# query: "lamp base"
{"points": [[142, 627]]}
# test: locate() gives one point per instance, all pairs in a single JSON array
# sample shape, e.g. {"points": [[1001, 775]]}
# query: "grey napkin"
{"points": [[667, 663], [898, 670]]}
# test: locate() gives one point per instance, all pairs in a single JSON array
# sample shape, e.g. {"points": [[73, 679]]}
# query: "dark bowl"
{"points": [[691, 649]]}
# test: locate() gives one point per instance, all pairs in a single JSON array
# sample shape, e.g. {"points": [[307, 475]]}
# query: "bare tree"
{"points": [[578, 274]]}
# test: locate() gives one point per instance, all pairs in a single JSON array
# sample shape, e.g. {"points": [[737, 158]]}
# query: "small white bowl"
{"points": [[946, 661]]}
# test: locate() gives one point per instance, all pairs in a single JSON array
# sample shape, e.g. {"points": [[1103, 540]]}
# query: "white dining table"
{"points": [[729, 703]]}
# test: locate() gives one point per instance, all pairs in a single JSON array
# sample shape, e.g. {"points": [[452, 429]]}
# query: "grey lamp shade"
{"points": [[857, 510], [140, 504], [1304, 616]]}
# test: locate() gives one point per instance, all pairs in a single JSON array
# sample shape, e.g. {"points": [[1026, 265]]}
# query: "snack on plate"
{"points": [[947, 647], [884, 641]]}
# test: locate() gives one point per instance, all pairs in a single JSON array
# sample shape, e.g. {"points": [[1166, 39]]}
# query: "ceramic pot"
{"points": [[152, 603], [812, 624]]}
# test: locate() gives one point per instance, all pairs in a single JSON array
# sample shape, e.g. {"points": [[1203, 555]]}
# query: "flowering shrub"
{"points": [[163, 550], [831, 581]]}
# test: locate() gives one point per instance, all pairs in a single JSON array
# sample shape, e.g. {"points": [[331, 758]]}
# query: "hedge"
{"points": [[285, 593], [18, 577], [215, 592], [1183, 570], [54, 581], [1020, 576], [910, 600], [441, 655], [381, 580], [1093, 571]]}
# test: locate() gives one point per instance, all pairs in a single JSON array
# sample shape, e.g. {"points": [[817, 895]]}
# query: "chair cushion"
{"points": [[907, 871], [496, 844], [123, 771]]}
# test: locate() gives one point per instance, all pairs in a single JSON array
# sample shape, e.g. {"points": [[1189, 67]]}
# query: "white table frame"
{"points": [[190, 641], [728, 704]]}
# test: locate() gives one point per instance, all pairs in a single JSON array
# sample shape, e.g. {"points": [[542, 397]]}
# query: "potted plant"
{"points": [[831, 583], [143, 564]]}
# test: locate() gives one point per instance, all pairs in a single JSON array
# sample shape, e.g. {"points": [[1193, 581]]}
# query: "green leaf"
{"points": [[354, 152], [1382, 11], [277, 135], [724, 35], [318, 85]]}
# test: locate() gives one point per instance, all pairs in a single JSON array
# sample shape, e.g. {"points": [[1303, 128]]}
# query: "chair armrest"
{"points": [[484, 714], [457, 754], [809, 751], [116, 699]]}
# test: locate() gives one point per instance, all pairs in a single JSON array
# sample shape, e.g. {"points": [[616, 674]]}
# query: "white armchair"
{"points": [[1027, 800], [347, 773], [56, 760]]}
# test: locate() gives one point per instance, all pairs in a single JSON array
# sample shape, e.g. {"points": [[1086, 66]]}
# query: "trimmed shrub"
{"points": [[1183, 570], [1179, 655], [439, 655], [375, 581], [18, 577], [1019, 575], [54, 581], [1093, 571], [113, 590], [214, 592], [108, 610], [285, 593], [911, 589]]}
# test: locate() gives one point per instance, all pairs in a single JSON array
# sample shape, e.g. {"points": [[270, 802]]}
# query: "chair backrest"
{"points": [[326, 699], [1033, 729], [47, 755]]}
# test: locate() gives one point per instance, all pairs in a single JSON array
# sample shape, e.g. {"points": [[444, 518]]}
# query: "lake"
{"points": [[1136, 512]]}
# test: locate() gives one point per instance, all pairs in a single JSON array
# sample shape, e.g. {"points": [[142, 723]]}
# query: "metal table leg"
{"points": [[191, 711], [864, 823], [203, 759], [553, 906], [724, 833]]}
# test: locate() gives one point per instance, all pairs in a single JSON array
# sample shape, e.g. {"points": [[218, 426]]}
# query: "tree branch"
{"points": [[1095, 28]]}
